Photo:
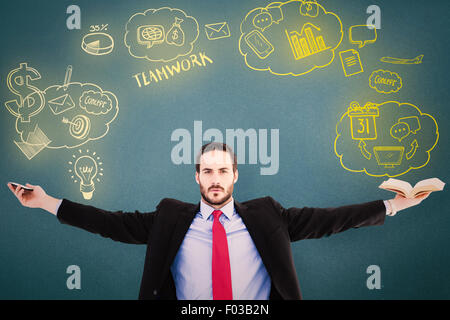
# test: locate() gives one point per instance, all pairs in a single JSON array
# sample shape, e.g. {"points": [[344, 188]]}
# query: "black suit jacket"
{"points": [[271, 227]]}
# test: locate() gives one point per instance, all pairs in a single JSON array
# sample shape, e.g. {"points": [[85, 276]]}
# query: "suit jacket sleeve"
{"points": [[313, 223], [119, 226]]}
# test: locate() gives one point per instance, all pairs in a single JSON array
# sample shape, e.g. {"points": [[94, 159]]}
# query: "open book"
{"points": [[406, 190]]}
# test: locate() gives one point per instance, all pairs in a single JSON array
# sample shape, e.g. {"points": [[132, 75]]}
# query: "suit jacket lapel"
{"points": [[256, 227]]}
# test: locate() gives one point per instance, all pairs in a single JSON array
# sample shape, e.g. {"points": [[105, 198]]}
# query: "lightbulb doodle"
{"points": [[61, 116], [86, 169], [385, 139], [161, 34], [290, 38]]}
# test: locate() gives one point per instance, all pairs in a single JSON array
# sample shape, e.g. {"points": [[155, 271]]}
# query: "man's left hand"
{"points": [[401, 203]]}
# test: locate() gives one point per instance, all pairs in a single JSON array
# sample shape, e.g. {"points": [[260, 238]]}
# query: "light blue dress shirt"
{"points": [[191, 268]]}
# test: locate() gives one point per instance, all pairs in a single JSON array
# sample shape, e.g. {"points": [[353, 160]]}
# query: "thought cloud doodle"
{"points": [[161, 34], [385, 81], [290, 38], [71, 114], [387, 139], [95, 102]]}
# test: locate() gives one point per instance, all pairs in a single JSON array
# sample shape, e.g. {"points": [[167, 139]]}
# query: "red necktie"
{"points": [[221, 271]]}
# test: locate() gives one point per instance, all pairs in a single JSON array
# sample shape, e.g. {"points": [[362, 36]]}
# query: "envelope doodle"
{"points": [[218, 30]]}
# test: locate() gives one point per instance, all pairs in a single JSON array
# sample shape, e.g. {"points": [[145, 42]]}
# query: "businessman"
{"points": [[219, 248]]}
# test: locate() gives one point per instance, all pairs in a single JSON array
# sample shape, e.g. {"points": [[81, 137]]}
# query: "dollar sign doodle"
{"points": [[175, 35], [31, 100]]}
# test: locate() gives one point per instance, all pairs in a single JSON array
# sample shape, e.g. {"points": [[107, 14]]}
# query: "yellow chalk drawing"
{"points": [[306, 45], [413, 123], [31, 100], [388, 156], [398, 145], [175, 36], [412, 151], [363, 121], [97, 43], [310, 35], [36, 141], [362, 35], [309, 8], [363, 149], [385, 81], [351, 62], [416, 60], [65, 120], [150, 34], [87, 169], [259, 44], [404, 127], [162, 34], [266, 17], [217, 30], [61, 104], [79, 126]]}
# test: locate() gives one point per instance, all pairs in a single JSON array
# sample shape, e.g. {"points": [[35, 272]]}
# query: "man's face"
{"points": [[216, 177]]}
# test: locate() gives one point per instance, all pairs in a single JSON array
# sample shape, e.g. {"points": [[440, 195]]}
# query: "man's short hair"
{"points": [[220, 146]]}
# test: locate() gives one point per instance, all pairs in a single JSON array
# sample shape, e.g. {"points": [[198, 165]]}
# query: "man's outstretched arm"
{"points": [[313, 223], [124, 227]]}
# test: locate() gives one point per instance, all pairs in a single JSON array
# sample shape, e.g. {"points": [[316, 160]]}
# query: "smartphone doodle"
{"points": [[259, 44]]}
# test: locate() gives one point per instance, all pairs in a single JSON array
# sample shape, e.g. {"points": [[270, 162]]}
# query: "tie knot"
{"points": [[217, 213]]}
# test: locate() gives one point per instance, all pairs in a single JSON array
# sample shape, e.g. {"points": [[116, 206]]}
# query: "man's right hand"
{"points": [[36, 198]]}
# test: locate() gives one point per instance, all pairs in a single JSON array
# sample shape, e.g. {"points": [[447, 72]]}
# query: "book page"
{"points": [[396, 191], [427, 185], [396, 185], [435, 183]]}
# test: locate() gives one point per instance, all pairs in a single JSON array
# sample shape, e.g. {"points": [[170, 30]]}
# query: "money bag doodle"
{"points": [[175, 36]]}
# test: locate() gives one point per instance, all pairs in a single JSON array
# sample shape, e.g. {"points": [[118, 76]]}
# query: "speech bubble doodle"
{"points": [[385, 81], [399, 131], [263, 20], [413, 123], [362, 35], [150, 34]]}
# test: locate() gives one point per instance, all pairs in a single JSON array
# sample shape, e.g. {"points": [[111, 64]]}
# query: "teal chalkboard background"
{"points": [[411, 248]]}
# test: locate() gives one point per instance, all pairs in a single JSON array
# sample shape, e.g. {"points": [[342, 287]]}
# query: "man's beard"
{"points": [[220, 201]]}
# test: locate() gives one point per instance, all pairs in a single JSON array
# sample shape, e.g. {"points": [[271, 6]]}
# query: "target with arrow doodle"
{"points": [[79, 126]]}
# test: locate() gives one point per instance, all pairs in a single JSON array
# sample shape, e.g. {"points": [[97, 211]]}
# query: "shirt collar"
{"points": [[206, 210]]}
